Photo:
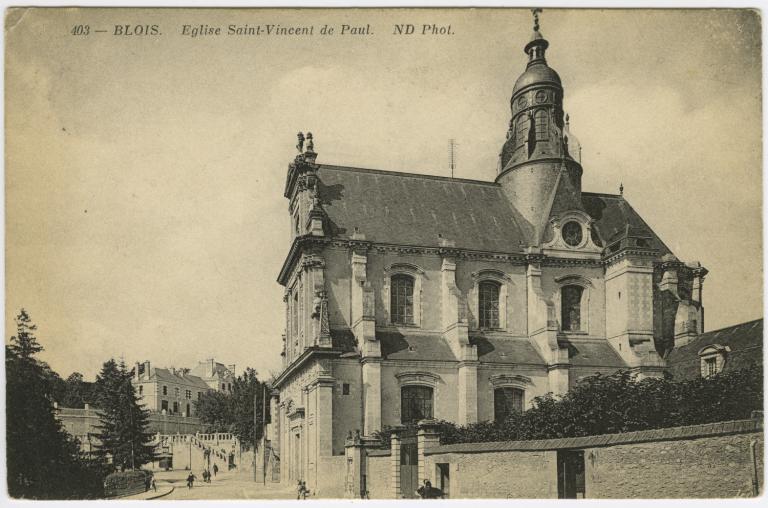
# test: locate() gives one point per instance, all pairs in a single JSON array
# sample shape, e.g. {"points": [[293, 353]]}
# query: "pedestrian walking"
{"points": [[190, 480], [154, 485], [215, 469], [304, 490]]}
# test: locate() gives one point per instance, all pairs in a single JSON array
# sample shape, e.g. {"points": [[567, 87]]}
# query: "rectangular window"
{"points": [[401, 301], [188, 394], [295, 314], [199, 395], [710, 365], [165, 390], [345, 389], [176, 392], [164, 405], [571, 308], [507, 400], [141, 389], [489, 304], [175, 407], [415, 403]]}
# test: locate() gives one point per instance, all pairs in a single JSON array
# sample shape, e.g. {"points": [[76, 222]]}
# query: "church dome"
{"points": [[539, 73]]}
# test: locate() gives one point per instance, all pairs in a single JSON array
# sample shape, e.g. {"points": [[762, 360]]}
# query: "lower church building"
{"points": [[411, 296]]}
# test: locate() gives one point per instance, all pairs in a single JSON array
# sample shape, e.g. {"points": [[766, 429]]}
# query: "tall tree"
{"points": [[124, 439], [235, 412], [247, 398], [43, 461]]}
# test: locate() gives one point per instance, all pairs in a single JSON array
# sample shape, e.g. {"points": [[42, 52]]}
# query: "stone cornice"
{"points": [[299, 245], [303, 359]]}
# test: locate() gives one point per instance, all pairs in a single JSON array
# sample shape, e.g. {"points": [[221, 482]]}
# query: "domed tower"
{"points": [[535, 160]]}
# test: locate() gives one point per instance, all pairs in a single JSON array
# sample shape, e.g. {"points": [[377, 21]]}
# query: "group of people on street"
{"points": [[207, 475]]}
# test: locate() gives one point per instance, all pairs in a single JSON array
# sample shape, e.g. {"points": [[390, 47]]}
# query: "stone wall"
{"points": [[378, 477], [703, 461], [509, 474], [718, 466], [82, 422]]}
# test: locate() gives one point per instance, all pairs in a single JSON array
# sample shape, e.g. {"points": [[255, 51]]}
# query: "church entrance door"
{"points": [[409, 464]]}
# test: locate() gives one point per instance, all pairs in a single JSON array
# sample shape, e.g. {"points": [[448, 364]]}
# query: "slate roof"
{"points": [[688, 432], [410, 209], [168, 376], [615, 219], [505, 350], [745, 341], [592, 354], [413, 209], [396, 346]]}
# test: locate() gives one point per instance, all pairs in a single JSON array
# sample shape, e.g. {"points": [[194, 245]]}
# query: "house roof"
{"points": [[413, 209], [219, 369], [168, 376], [745, 341]]}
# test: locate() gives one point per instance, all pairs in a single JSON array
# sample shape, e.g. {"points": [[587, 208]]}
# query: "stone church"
{"points": [[412, 296]]}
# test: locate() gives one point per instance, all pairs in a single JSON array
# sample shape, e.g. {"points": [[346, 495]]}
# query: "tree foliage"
{"points": [[608, 404], [224, 412], [124, 440], [43, 461]]}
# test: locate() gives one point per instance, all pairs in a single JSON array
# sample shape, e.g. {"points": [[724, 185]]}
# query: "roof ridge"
{"points": [[731, 326], [410, 175]]}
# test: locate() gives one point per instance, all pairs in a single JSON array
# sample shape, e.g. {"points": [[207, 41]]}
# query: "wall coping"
{"points": [[667, 434], [382, 452]]}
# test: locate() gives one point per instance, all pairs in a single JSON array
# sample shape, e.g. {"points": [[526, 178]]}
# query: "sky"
{"points": [[145, 216]]}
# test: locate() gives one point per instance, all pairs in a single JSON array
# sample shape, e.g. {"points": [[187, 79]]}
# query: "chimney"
{"points": [[146, 369], [231, 368], [136, 374]]}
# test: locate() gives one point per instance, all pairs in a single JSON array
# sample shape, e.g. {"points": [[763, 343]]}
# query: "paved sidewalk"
{"points": [[163, 489]]}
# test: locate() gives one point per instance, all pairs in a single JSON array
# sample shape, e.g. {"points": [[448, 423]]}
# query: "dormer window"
{"points": [[713, 358]]}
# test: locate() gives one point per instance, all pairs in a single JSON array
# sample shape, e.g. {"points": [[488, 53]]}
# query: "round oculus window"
{"points": [[541, 96], [572, 233], [522, 102]]}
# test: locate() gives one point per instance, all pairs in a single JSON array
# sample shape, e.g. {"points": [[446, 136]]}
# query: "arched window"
{"points": [[507, 400], [488, 300], [522, 129], [415, 403], [401, 299], [542, 125], [571, 308]]}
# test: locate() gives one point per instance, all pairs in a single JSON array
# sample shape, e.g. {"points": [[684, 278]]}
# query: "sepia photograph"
{"points": [[383, 253]]}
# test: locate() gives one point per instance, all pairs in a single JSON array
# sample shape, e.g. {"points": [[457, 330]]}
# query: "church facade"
{"points": [[411, 296]]}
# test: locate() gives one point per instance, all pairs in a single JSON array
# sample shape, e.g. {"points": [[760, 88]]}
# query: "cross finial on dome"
{"points": [[536, 12]]}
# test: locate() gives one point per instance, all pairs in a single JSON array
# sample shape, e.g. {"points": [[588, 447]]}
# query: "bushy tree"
{"points": [[235, 412], [124, 439], [215, 410], [608, 404], [43, 461]]}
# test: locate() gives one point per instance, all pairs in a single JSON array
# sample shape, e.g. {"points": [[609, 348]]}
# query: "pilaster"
{"points": [[371, 395], [428, 437], [467, 392]]}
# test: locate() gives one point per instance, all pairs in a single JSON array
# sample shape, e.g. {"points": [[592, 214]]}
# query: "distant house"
{"points": [[218, 376], [168, 391], [728, 349]]}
